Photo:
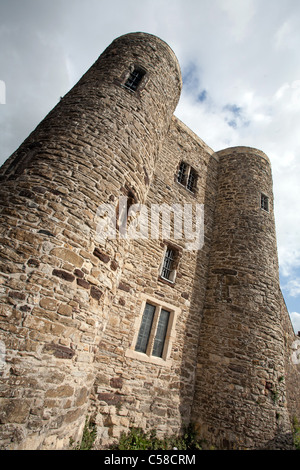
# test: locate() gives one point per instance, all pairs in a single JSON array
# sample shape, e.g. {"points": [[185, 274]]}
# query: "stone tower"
{"points": [[100, 141], [240, 388], [149, 331]]}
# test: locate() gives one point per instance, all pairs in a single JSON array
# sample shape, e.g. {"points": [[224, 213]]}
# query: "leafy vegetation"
{"points": [[296, 433], [88, 436], [137, 439]]}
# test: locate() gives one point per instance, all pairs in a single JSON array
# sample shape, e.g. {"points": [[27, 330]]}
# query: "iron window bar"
{"points": [[134, 79], [187, 176], [191, 182], [264, 202], [168, 264], [181, 173]]}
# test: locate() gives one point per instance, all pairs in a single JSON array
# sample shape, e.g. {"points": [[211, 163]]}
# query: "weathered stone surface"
{"points": [[65, 310], [48, 303], [83, 283], [123, 286], [96, 293], [62, 391], [59, 351], [68, 255], [102, 256], [71, 304], [63, 275], [15, 411]]}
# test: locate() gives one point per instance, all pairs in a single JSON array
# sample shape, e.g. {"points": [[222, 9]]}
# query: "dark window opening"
{"points": [[122, 210], [182, 173], [168, 265], [187, 176], [264, 202], [135, 78]]}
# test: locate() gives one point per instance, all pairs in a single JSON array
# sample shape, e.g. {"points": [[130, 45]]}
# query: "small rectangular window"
{"points": [[168, 265], [187, 176], [264, 202], [135, 78]]}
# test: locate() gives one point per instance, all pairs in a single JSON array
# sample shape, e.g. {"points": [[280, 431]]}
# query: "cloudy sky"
{"points": [[240, 65]]}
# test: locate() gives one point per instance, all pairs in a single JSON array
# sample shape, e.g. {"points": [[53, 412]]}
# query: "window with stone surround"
{"points": [[187, 176], [264, 202], [154, 331]]}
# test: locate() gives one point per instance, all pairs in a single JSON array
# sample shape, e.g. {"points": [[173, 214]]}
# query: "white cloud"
{"points": [[239, 15], [293, 287], [295, 317]]}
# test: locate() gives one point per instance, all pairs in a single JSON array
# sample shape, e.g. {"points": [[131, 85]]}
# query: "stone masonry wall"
{"points": [[131, 388], [292, 364]]}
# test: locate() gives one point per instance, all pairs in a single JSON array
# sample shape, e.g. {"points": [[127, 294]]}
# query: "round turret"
{"points": [[240, 374], [99, 143]]}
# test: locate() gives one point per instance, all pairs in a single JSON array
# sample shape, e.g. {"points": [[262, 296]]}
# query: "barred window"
{"points": [[187, 176], [264, 202], [168, 264], [181, 177], [135, 78]]}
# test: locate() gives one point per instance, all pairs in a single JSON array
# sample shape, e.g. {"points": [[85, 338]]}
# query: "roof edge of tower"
{"points": [[243, 150], [154, 38]]}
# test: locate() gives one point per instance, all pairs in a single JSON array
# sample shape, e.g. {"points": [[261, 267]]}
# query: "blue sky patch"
{"points": [[233, 108], [234, 116], [202, 96]]}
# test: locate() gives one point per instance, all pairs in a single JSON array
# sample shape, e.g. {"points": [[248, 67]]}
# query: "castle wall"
{"points": [[134, 389], [292, 364]]}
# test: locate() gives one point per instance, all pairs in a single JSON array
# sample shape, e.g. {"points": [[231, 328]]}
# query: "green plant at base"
{"points": [[137, 439], [296, 433], [88, 436]]}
